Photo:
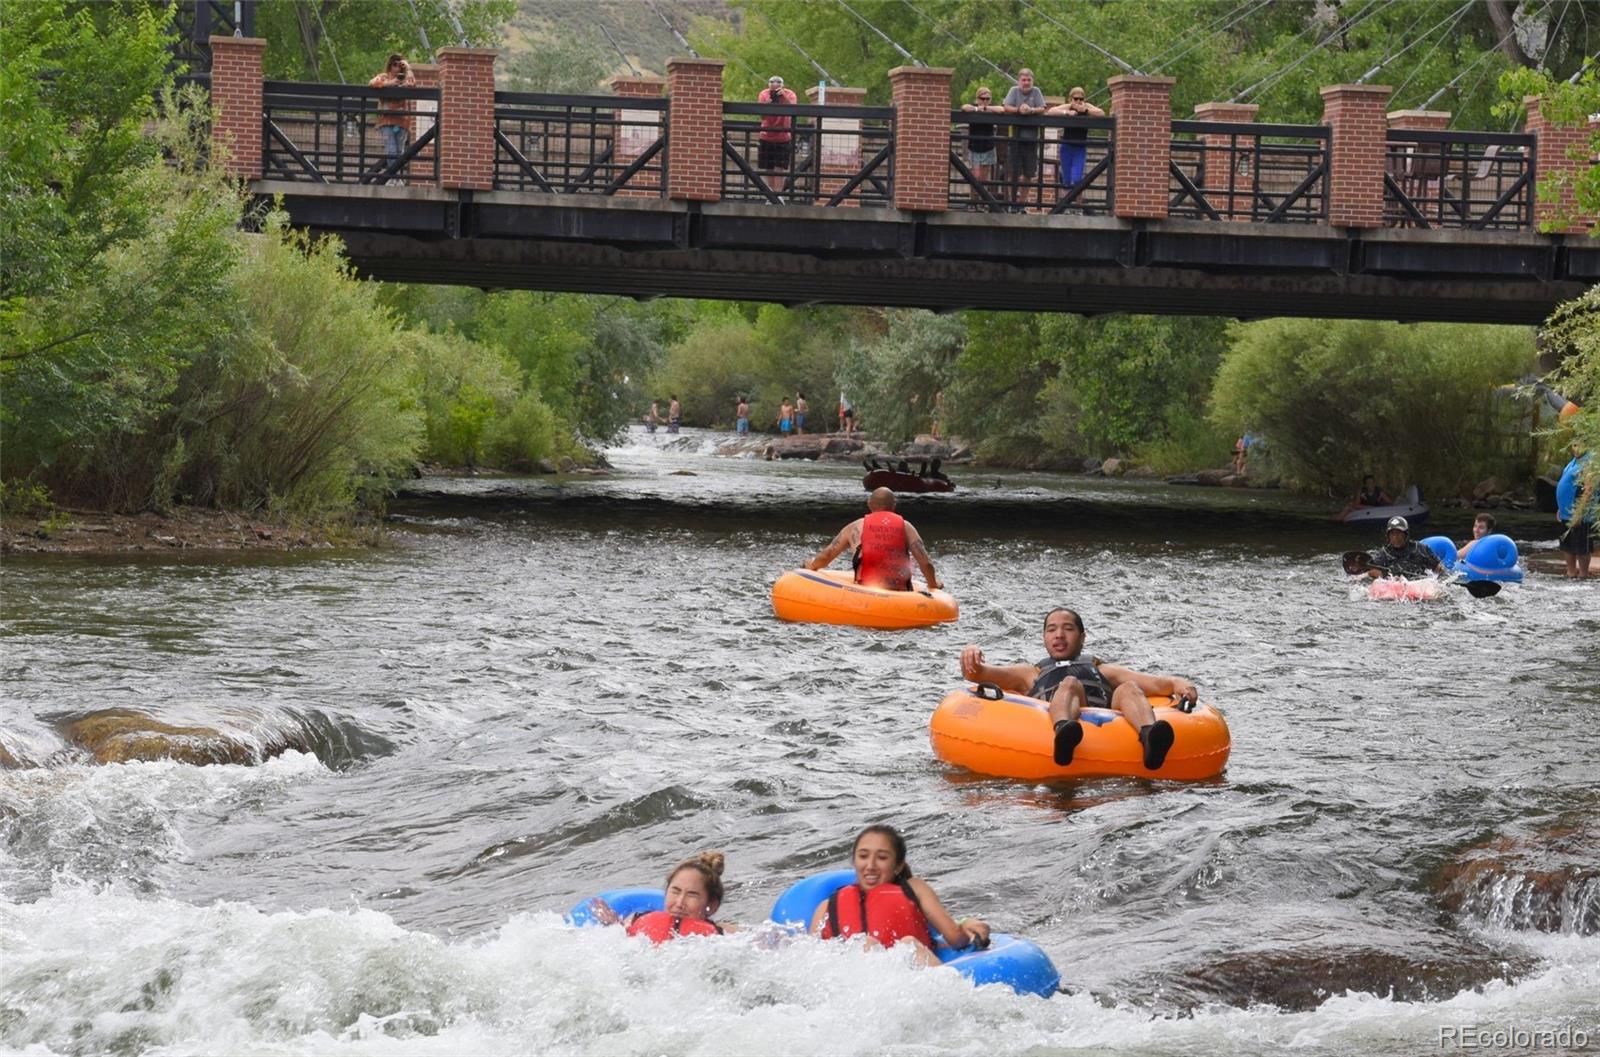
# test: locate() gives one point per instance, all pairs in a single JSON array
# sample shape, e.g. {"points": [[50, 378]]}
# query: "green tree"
{"points": [[316, 40], [1569, 105]]}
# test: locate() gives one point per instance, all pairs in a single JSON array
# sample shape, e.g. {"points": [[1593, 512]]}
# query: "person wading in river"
{"points": [[1070, 682], [883, 543]]}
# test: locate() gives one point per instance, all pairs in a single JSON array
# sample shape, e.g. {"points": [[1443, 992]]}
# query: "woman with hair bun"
{"points": [[888, 905], [692, 894]]}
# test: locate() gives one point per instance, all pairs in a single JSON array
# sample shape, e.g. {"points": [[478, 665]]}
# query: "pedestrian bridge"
{"points": [[661, 190]]}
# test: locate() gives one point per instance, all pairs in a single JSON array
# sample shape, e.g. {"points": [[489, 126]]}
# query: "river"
{"points": [[547, 688]]}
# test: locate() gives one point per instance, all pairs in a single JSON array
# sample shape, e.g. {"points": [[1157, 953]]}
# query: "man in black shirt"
{"points": [[1400, 555]]}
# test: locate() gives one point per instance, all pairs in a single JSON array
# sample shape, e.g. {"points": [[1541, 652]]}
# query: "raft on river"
{"points": [[1010, 960], [829, 597], [1398, 589], [1011, 736]]}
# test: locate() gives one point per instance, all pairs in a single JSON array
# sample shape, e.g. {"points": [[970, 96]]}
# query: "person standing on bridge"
{"points": [[394, 123], [980, 136], [1024, 98], [883, 545], [1074, 141], [775, 141]]}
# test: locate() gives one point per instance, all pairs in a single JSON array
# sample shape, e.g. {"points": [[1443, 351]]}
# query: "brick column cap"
{"points": [[1378, 91], [258, 43], [1226, 111], [467, 53], [1428, 116], [424, 67], [716, 64], [919, 72], [639, 82], [851, 96], [1139, 78]]}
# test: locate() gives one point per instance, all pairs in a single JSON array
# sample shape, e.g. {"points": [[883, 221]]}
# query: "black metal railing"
{"points": [[334, 133], [580, 144], [1054, 165], [1268, 174], [1443, 179], [833, 154]]}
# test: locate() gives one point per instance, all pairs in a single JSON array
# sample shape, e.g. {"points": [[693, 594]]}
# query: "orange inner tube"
{"points": [[829, 597], [1014, 738]]}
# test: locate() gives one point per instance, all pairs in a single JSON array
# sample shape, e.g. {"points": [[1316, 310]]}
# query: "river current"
{"points": [[547, 688]]}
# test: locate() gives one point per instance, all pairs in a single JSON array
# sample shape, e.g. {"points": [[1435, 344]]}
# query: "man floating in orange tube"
{"points": [[883, 543]]}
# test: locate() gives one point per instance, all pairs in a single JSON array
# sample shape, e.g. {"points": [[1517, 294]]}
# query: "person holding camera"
{"points": [[394, 123], [1074, 141]]}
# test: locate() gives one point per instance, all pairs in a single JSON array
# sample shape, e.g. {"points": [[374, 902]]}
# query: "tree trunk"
{"points": [[1500, 13]]}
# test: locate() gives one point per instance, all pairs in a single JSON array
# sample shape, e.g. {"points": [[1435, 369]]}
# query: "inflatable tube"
{"points": [[1442, 549], [1492, 558], [1413, 509], [1010, 960], [625, 901], [1392, 589], [829, 597], [896, 481], [1013, 738]]}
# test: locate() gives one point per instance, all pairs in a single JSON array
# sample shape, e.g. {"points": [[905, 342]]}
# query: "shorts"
{"points": [[799, 420], [672, 426], [772, 155], [1578, 540], [783, 426], [1024, 157], [742, 426], [982, 157]]}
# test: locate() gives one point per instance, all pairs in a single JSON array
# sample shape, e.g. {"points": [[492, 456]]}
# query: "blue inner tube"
{"points": [[1442, 549], [625, 901], [1011, 960], [1492, 558]]}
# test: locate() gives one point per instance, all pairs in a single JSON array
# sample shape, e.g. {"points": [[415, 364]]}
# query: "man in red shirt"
{"points": [[774, 143], [884, 545]]}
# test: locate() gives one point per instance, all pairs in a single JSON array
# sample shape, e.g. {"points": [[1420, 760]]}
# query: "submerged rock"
{"points": [[123, 735], [1547, 880]]}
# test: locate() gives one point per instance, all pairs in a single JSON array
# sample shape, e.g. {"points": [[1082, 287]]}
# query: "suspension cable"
{"points": [[618, 47], [450, 13], [334, 55], [1456, 15], [965, 48], [1167, 56], [1119, 62], [903, 52], [1278, 75], [1422, 63], [804, 54], [667, 22]]}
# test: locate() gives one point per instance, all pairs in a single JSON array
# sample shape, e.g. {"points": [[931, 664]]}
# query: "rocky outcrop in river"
{"points": [[1547, 880]]}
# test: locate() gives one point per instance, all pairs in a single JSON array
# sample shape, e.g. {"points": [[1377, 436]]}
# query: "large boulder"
{"points": [[123, 735], [1546, 879], [1112, 467], [1212, 477], [1091, 466], [1487, 487]]}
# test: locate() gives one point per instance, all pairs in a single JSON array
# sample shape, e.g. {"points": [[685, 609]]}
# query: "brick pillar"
{"points": [[636, 131], [427, 76], [1358, 151], [466, 118], [1228, 173], [921, 137], [694, 124], [236, 98], [1556, 148], [1143, 138], [1428, 120], [838, 146]]}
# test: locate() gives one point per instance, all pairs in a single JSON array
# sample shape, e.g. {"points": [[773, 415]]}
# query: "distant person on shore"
{"points": [[654, 418], [1074, 141], [1401, 555], [785, 417], [1070, 683], [741, 417], [883, 544], [980, 136], [394, 123], [1024, 98], [674, 414], [800, 409], [774, 143], [936, 411], [693, 893], [1482, 525], [847, 414], [888, 905], [1370, 494], [1577, 540]]}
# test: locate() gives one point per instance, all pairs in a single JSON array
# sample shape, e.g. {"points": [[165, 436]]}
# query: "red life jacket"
{"points": [[885, 557], [889, 913], [661, 926]]}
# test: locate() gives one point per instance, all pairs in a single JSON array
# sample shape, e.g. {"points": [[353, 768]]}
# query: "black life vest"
{"points": [[1096, 691]]}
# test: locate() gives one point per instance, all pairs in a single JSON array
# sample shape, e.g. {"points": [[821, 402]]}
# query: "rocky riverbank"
{"points": [[73, 531]]}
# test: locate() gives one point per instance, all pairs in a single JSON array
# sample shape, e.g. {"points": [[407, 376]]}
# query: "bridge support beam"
{"points": [[1358, 149], [1143, 144], [1557, 146], [921, 137], [236, 89], [466, 118], [694, 116]]}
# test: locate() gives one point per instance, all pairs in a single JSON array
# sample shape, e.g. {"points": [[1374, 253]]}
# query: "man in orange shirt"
{"points": [[394, 123]]}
